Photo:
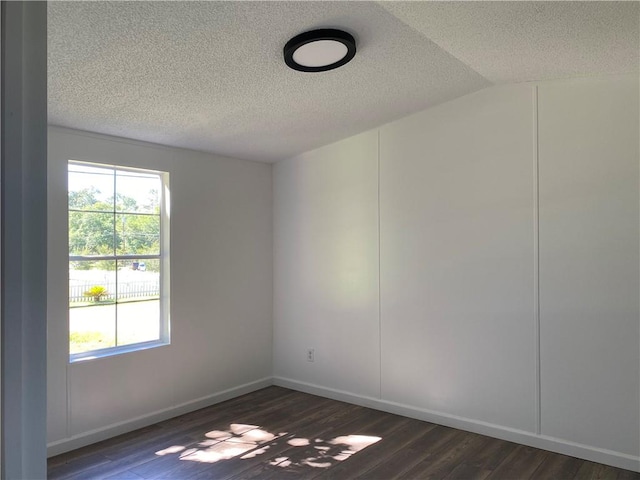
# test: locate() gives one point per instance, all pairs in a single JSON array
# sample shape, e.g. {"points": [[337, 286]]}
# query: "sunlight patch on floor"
{"points": [[172, 449], [298, 442], [220, 451], [249, 441]]}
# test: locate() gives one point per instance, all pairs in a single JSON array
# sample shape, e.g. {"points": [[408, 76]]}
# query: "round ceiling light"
{"points": [[319, 50]]}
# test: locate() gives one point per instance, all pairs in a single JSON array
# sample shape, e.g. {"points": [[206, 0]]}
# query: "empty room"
{"points": [[301, 239]]}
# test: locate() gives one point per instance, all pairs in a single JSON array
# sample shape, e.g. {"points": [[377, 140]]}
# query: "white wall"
{"points": [[589, 260], [221, 294], [508, 266], [457, 245], [326, 289]]}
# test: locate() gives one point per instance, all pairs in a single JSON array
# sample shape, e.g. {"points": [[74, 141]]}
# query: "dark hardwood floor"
{"points": [[277, 433]]}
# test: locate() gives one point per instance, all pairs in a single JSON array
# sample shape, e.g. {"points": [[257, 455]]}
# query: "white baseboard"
{"points": [[97, 435], [531, 439]]}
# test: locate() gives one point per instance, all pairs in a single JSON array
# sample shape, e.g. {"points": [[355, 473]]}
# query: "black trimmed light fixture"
{"points": [[319, 50]]}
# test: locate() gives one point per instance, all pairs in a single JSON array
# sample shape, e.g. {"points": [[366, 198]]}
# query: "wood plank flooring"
{"points": [[276, 433]]}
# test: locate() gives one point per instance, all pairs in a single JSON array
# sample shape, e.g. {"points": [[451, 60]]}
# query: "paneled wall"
{"points": [[588, 147], [221, 294], [507, 243], [457, 258]]}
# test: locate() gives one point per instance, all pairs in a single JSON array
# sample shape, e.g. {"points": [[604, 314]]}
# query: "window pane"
{"points": [[90, 233], [92, 312], [92, 328], [138, 301], [114, 212], [138, 321], [138, 192], [138, 280], [138, 234], [92, 282], [91, 188]]}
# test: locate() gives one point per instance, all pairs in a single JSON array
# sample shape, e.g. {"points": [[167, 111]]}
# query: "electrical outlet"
{"points": [[310, 355]]}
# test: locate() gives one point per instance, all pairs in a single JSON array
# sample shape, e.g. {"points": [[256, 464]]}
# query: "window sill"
{"points": [[110, 352]]}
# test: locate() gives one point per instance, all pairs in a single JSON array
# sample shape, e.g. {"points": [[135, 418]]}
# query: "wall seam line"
{"points": [[379, 282], [68, 396], [536, 255]]}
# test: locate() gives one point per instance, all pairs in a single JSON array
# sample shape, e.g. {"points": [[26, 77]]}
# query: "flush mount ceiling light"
{"points": [[319, 50]]}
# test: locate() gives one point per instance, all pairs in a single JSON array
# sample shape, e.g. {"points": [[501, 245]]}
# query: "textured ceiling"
{"points": [[209, 75], [521, 41]]}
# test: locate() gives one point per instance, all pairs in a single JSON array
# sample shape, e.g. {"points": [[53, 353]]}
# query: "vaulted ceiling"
{"points": [[209, 75]]}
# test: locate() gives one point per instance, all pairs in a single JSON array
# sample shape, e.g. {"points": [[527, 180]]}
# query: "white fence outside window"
{"points": [[125, 290]]}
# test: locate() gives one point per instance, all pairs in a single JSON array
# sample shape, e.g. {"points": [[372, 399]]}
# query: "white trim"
{"points": [[536, 262], [531, 439], [99, 434], [118, 350], [23, 276], [379, 274]]}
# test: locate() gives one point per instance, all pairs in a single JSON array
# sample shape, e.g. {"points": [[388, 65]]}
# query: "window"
{"points": [[118, 259]]}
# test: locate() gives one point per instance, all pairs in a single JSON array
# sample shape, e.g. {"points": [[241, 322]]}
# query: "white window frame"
{"points": [[164, 260]]}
